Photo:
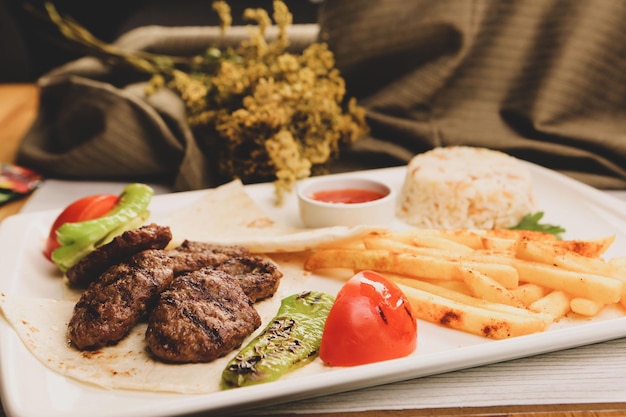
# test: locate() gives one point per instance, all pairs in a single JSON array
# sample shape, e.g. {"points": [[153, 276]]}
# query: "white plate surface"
{"points": [[28, 388]]}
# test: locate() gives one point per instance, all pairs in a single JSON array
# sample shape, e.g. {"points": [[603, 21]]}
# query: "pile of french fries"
{"points": [[493, 283]]}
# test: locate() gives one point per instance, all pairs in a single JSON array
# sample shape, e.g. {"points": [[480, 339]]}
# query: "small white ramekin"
{"points": [[314, 213]]}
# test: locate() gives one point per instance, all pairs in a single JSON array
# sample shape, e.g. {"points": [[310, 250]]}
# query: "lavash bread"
{"points": [[224, 215], [461, 187]]}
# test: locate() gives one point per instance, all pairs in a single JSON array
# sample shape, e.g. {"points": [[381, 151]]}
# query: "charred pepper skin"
{"points": [[289, 341], [78, 239]]}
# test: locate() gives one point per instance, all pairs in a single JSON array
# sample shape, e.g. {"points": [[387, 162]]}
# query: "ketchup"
{"points": [[347, 196]]}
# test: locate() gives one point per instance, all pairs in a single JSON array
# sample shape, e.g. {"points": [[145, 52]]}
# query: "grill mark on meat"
{"points": [[191, 315], [258, 277], [204, 313], [191, 256], [113, 304], [126, 295], [122, 247], [200, 317], [211, 332]]}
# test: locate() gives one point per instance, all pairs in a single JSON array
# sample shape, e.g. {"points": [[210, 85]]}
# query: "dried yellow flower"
{"points": [[223, 11], [260, 112]]}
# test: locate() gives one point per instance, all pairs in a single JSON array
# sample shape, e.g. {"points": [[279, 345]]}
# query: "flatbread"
{"points": [[41, 324], [228, 215], [225, 215]]}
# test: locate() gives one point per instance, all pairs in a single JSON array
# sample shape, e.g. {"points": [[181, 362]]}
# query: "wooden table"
{"points": [[18, 108]]}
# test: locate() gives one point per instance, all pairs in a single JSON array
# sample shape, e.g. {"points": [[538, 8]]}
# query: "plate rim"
{"points": [[347, 382]]}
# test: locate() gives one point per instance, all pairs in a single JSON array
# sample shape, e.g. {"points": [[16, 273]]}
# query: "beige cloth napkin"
{"points": [[95, 121], [542, 80]]}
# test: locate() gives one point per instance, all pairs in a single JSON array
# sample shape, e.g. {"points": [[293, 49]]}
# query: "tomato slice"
{"points": [[86, 208], [370, 321]]}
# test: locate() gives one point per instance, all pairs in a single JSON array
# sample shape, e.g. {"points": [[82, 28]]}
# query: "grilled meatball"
{"points": [[113, 304], [122, 247], [200, 317], [258, 277], [191, 256]]}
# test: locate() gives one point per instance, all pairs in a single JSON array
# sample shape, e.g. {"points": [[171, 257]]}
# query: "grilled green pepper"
{"points": [[290, 341], [78, 239]]}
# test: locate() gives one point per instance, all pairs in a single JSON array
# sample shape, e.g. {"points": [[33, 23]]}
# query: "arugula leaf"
{"points": [[531, 222]]}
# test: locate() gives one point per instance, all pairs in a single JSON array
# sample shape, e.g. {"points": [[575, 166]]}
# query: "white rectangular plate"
{"points": [[28, 388]]}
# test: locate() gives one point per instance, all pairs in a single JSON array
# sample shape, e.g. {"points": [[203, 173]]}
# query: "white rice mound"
{"points": [[461, 187]]}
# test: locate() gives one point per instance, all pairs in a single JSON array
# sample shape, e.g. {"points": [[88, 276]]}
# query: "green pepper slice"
{"points": [[80, 238], [290, 341]]}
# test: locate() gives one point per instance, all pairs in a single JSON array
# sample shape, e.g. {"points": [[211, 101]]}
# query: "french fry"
{"points": [[469, 238], [491, 323], [521, 234], [561, 257], [482, 286], [465, 237], [402, 236], [499, 243], [618, 266], [407, 264], [579, 284], [463, 298], [354, 242], [618, 270], [606, 290], [458, 286], [383, 261], [472, 238], [590, 248], [505, 238], [555, 304], [401, 247], [529, 293], [494, 283], [585, 307], [475, 238], [440, 243], [397, 246]]}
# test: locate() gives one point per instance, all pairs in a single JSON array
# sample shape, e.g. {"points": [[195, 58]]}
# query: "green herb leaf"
{"points": [[532, 222]]}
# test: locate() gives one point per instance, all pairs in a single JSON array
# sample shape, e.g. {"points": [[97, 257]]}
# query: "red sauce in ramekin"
{"points": [[347, 196]]}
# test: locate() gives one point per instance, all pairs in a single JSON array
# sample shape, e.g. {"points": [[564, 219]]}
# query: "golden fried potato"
{"points": [[560, 256], [493, 283], [486, 288], [579, 284], [555, 304], [411, 265], [585, 307], [529, 293], [475, 318], [589, 248]]}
